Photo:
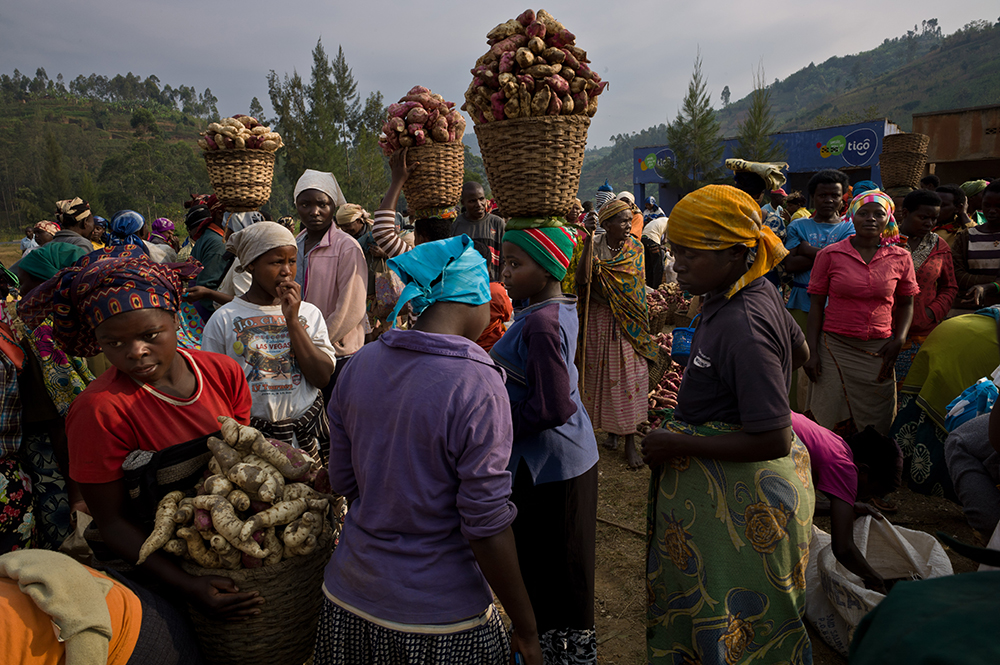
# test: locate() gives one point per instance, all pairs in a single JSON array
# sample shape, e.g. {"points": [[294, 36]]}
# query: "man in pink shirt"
{"points": [[331, 266]]}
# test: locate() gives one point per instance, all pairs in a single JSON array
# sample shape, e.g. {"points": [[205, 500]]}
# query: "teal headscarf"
{"points": [[43, 263], [448, 270]]}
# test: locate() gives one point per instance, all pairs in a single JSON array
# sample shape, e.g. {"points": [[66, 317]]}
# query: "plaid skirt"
{"points": [[344, 638]]}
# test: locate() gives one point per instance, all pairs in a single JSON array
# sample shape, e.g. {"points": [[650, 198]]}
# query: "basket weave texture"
{"points": [[285, 630], [659, 320], [241, 178], [910, 142], [902, 169], [658, 369], [437, 182], [534, 164]]}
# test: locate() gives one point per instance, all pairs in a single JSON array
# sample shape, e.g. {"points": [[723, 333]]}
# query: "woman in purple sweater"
{"points": [[420, 437]]}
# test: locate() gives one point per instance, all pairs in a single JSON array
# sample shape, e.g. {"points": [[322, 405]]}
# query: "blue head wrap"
{"points": [[651, 201], [864, 186], [124, 229], [448, 270]]}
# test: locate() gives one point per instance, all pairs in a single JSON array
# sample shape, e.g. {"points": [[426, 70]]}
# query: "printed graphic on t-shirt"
{"points": [[266, 348]]}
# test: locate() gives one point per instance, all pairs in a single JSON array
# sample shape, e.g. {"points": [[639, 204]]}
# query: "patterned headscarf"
{"points": [[160, 227], [48, 227], [719, 216], [890, 235], [99, 286], [613, 208], [973, 187], [604, 194], [124, 229], [71, 212], [449, 270], [550, 247]]}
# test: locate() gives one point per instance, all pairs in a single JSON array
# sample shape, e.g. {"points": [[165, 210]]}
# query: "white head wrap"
{"points": [[258, 239], [626, 196], [324, 182]]}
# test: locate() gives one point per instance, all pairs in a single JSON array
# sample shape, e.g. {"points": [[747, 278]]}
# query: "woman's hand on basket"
{"points": [[220, 597], [398, 167], [812, 368]]}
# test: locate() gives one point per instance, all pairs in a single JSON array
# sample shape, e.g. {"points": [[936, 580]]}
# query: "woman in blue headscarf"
{"points": [[124, 229], [420, 437]]}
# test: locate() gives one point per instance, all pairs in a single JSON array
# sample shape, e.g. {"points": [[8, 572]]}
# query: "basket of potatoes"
{"points": [[239, 155]]}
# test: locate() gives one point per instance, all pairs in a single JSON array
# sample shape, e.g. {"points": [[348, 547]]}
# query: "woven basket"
{"points": [[658, 369], [902, 169], [285, 630], [906, 143], [438, 181], [241, 178], [659, 320], [533, 164]]}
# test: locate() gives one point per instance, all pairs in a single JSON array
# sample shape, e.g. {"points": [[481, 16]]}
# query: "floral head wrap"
{"points": [[449, 270], [890, 236], [719, 216], [99, 286], [124, 228], [71, 212], [48, 227]]}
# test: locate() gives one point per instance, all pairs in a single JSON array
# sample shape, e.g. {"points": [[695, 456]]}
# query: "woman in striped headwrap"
{"points": [[616, 342], [76, 222], [861, 304]]}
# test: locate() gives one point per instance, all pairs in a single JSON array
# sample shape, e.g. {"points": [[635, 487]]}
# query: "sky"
{"points": [[644, 48]]}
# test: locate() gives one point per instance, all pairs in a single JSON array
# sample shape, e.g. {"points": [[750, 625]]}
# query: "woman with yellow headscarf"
{"points": [[616, 341], [731, 498]]}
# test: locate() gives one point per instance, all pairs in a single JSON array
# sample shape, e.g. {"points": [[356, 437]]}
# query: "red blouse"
{"points": [[861, 296], [938, 288]]}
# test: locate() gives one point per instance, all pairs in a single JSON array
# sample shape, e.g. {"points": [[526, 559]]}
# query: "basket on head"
{"points": [[902, 169], [285, 630], [533, 164], [437, 182], [909, 142], [241, 178]]}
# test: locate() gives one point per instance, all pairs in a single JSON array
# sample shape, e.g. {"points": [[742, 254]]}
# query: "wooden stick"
{"points": [[622, 526], [588, 256]]}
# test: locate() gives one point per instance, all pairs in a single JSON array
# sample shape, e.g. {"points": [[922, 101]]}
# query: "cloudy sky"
{"points": [[645, 48]]}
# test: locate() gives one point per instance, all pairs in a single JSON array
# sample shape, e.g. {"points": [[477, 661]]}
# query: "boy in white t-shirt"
{"points": [[280, 341]]}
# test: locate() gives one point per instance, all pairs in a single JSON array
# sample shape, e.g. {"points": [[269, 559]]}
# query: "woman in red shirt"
{"points": [[853, 339], [155, 397], [935, 272]]}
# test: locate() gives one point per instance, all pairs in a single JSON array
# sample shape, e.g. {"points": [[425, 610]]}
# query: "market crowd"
{"points": [[453, 371]]}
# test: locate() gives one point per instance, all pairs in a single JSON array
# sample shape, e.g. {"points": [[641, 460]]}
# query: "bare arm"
{"points": [[814, 332], [205, 293], [217, 594], [846, 550], [497, 558], [661, 445]]}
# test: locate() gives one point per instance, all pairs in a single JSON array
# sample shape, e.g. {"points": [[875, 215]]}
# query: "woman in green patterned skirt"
{"points": [[731, 497]]}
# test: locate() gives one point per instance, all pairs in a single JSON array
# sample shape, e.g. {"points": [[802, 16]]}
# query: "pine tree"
{"points": [[257, 111], [726, 95], [755, 130], [695, 139]]}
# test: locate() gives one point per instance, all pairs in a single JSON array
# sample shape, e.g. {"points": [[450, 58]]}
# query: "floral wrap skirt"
{"points": [[727, 549]]}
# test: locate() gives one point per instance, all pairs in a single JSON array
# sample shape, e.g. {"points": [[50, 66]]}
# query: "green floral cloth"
{"points": [[727, 549]]}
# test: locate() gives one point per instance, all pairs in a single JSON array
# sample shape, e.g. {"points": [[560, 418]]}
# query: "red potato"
{"points": [[536, 29], [417, 115], [562, 38], [570, 60], [418, 89], [558, 84], [527, 81], [419, 137], [598, 90], [526, 18], [507, 62], [497, 101], [555, 105]]}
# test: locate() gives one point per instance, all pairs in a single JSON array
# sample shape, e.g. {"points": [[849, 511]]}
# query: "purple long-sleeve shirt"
{"points": [[420, 434]]}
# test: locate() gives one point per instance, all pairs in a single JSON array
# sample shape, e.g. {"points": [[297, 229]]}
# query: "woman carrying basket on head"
{"points": [[616, 342], [730, 498]]}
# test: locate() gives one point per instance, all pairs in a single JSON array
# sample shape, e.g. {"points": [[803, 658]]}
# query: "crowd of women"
{"points": [[453, 381]]}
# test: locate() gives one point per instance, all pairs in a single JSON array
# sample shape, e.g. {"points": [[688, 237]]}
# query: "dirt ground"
{"points": [[620, 584]]}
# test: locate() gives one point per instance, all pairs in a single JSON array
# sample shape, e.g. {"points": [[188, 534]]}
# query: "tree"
{"points": [[755, 130], [257, 111], [725, 96], [695, 138]]}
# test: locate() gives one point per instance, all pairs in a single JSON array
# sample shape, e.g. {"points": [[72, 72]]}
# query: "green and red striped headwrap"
{"points": [[551, 245]]}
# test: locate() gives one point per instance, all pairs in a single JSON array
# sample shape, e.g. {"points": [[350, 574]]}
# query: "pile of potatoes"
{"points": [[533, 68], [241, 132], [258, 507], [421, 116]]}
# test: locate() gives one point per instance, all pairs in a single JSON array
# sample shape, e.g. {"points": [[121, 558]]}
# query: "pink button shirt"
{"points": [[861, 296]]}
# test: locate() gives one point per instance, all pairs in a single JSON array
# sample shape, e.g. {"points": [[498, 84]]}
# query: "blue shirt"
{"points": [[552, 431], [818, 235]]}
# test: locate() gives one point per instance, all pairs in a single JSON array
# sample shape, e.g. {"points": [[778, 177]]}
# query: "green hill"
{"points": [[919, 72]]}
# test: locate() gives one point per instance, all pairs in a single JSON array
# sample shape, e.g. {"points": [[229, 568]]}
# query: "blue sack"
{"points": [[976, 400]]}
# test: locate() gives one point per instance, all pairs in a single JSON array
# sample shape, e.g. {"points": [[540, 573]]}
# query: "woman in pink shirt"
{"points": [[853, 337]]}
